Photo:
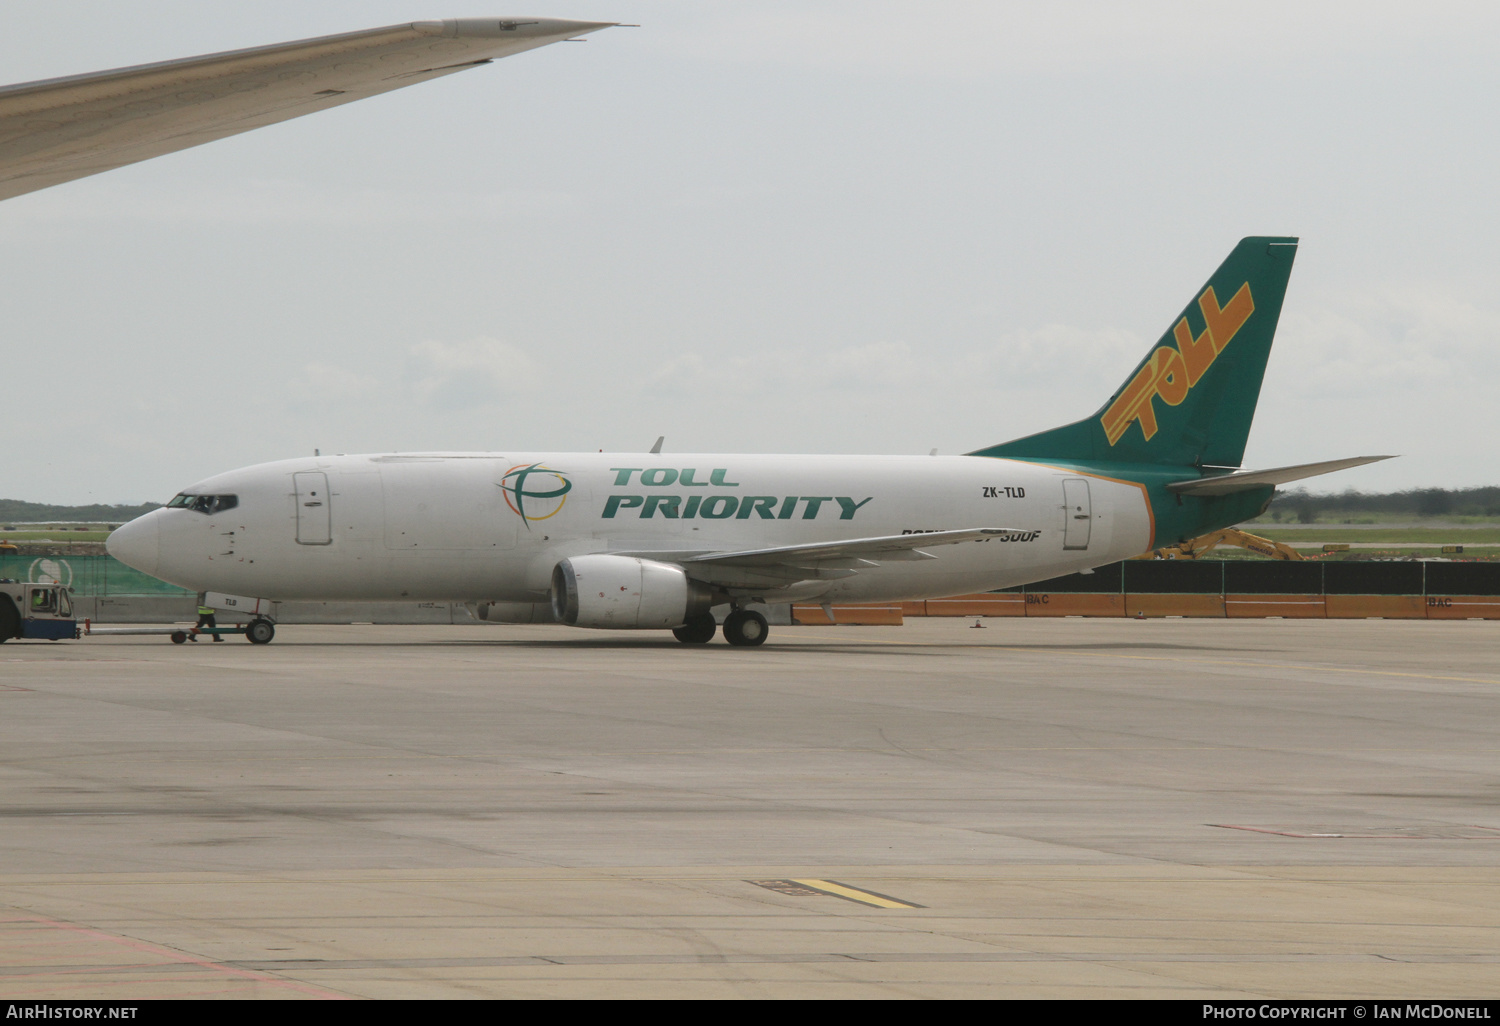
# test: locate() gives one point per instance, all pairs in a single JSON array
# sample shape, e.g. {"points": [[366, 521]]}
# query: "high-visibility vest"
{"points": [[205, 611]]}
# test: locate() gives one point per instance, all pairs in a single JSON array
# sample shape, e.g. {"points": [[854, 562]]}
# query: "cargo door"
{"points": [[1078, 514], [314, 517]]}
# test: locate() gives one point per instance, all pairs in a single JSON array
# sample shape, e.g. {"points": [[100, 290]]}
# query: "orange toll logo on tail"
{"points": [[1170, 373]]}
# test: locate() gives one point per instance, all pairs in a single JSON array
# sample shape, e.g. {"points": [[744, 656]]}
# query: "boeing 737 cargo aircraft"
{"points": [[655, 542]]}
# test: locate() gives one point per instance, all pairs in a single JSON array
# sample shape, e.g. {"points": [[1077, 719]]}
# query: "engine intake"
{"points": [[625, 593]]}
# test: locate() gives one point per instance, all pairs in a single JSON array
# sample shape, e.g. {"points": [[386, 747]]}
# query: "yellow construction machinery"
{"points": [[1197, 547]]}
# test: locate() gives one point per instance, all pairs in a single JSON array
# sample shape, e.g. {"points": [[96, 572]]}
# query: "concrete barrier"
{"points": [[1389, 607], [1009, 603], [882, 615], [1074, 604], [1285, 606], [1156, 604], [1463, 607]]}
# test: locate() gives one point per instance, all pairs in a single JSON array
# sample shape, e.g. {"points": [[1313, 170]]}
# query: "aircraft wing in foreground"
{"points": [[65, 128]]}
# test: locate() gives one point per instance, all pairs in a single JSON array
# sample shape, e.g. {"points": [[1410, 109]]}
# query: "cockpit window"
{"points": [[209, 504]]}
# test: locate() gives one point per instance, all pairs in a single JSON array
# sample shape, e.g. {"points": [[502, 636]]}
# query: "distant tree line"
{"points": [[1416, 502], [14, 510]]}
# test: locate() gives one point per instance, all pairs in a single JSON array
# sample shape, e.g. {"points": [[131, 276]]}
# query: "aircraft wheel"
{"points": [[260, 632], [745, 627], [697, 631], [178, 637]]}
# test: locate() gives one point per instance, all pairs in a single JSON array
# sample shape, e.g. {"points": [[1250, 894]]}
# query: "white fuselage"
{"points": [[487, 527]]}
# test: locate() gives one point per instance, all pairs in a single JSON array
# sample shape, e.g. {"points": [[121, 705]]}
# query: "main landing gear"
{"points": [[697, 631], [743, 627]]}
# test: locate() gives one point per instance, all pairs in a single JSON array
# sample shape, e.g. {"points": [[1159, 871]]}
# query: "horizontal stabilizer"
{"points": [[1244, 481]]}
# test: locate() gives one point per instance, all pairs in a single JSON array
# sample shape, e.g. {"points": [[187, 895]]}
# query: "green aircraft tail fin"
{"points": [[1191, 400]]}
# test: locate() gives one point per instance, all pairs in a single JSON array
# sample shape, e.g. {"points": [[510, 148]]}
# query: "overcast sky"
{"points": [[830, 227]]}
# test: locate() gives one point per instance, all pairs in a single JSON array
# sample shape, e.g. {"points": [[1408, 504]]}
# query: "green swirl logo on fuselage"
{"points": [[536, 499]]}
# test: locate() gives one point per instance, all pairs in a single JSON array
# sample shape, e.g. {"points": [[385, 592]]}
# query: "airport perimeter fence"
{"points": [[87, 575], [1237, 588]]}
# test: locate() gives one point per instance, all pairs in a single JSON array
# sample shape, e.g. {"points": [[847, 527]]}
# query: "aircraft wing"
{"points": [[1243, 481], [65, 128], [815, 561]]}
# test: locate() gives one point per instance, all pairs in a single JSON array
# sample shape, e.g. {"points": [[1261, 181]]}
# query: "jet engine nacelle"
{"points": [[624, 592]]}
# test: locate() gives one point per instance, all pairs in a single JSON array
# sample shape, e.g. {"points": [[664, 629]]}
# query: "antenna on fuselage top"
{"points": [[657, 447]]}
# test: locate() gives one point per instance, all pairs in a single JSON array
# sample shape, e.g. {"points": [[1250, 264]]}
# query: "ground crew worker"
{"points": [[206, 619]]}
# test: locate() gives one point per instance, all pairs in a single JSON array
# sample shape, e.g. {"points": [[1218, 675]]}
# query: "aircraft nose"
{"points": [[137, 544]]}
